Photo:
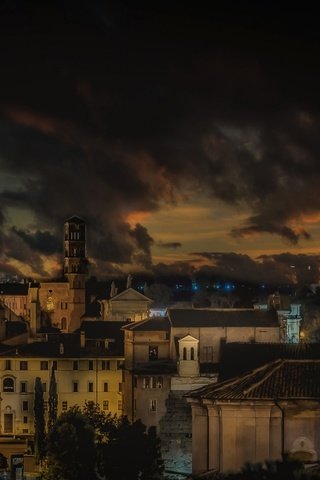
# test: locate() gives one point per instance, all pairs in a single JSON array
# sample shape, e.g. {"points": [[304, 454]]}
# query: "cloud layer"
{"points": [[111, 111]]}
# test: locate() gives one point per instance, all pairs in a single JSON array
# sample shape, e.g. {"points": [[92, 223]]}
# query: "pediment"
{"points": [[188, 339], [130, 294]]}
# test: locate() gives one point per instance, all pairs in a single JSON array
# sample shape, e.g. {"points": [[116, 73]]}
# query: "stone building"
{"points": [[58, 303], [88, 367], [126, 306], [168, 356], [257, 416]]}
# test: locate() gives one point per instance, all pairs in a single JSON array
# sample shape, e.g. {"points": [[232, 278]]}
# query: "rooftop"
{"points": [[278, 380], [229, 317]]}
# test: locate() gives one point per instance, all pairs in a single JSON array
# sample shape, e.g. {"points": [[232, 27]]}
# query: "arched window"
{"points": [[63, 323], [192, 353], [8, 385], [184, 355]]}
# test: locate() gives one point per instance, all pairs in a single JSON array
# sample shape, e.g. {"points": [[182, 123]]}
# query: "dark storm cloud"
{"points": [[43, 242], [173, 245], [271, 269], [112, 110]]}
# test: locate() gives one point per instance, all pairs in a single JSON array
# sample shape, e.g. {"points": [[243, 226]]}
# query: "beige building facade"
{"points": [[261, 415]]}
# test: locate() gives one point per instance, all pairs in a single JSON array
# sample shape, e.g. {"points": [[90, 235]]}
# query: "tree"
{"points": [[117, 435], [52, 401], [71, 450], [39, 422]]}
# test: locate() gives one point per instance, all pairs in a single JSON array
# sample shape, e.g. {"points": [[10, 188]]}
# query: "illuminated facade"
{"points": [[85, 370]]}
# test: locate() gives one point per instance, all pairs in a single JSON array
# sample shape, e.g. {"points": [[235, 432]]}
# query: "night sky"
{"points": [[188, 138]]}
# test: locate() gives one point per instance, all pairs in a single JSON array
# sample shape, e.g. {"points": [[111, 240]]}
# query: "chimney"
{"points": [[61, 349], [82, 339]]}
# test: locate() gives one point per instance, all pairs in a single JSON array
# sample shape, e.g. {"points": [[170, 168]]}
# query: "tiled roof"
{"points": [[13, 289], [278, 380], [230, 317], [154, 324], [238, 358]]}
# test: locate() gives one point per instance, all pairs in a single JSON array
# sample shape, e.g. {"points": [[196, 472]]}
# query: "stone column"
{"points": [[199, 439], [214, 438], [228, 423], [262, 433], [275, 437]]}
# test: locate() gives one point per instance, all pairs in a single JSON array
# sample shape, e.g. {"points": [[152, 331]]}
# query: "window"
{"points": [[8, 385], [75, 365], [25, 405], [153, 405], [44, 387], [135, 382], [120, 364], [25, 419], [90, 364], [145, 382], [153, 382], [44, 365], [23, 387], [23, 365], [119, 404], [105, 364], [120, 387], [153, 353], [64, 305], [75, 387], [159, 382], [90, 387], [64, 406], [25, 430], [105, 405], [105, 387], [192, 353], [184, 353], [55, 365], [7, 365]]}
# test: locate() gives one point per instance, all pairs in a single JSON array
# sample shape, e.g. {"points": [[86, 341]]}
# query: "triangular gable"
{"points": [[130, 294], [188, 339]]}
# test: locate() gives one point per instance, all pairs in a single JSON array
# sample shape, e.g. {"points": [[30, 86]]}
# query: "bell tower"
{"points": [[75, 268]]}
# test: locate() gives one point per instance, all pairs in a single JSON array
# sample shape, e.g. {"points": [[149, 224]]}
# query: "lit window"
{"points": [[8, 385], [153, 353]]}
